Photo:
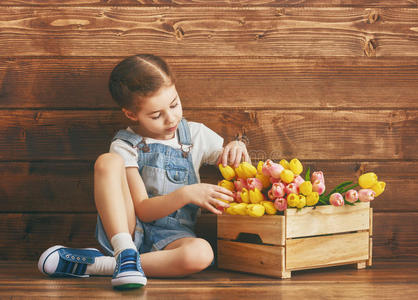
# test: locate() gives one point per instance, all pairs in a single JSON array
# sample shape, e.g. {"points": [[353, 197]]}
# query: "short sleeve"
{"points": [[211, 145], [126, 151]]}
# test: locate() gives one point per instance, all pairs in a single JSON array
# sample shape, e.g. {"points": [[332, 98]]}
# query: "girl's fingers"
{"points": [[238, 157], [217, 195], [212, 209], [221, 203], [225, 155], [223, 190], [232, 156], [220, 157]]}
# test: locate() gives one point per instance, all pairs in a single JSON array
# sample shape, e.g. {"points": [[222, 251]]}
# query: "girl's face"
{"points": [[159, 114]]}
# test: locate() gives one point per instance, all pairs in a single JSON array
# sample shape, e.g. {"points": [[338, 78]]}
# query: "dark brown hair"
{"points": [[136, 77]]}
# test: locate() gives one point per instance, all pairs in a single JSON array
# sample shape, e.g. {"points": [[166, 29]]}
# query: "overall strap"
{"points": [[183, 130], [129, 137]]}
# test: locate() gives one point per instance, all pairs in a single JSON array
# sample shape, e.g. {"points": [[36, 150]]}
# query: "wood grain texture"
{"points": [[206, 31], [395, 235], [203, 3], [227, 82], [320, 251], [68, 186], [310, 221], [331, 135]]}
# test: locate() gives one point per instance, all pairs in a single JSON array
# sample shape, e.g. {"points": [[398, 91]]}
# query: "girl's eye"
{"points": [[174, 106], [156, 118]]}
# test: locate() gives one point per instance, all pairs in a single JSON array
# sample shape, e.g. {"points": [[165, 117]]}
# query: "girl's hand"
{"points": [[233, 154], [207, 196]]}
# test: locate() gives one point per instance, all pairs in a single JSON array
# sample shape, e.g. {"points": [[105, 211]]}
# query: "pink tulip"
{"points": [[274, 180], [253, 183], [318, 176], [277, 190], [336, 199], [238, 197], [351, 196], [276, 170], [319, 187], [280, 204], [366, 195], [270, 194], [298, 180], [266, 167], [291, 188], [240, 184]]}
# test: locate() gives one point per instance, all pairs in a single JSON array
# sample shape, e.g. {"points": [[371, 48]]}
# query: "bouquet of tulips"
{"points": [[272, 187]]}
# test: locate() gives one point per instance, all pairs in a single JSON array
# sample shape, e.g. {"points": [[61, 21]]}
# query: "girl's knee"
{"points": [[108, 161], [198, 255]]}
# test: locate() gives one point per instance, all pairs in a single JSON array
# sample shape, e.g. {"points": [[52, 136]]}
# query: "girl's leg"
{"points": [[111, 195], [180, 258]]}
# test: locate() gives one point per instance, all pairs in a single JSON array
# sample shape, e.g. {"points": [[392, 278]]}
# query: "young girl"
{"points": [[147, 189]]}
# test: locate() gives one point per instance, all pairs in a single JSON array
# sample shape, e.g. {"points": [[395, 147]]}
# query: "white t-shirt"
{"points": [[207, 146]]}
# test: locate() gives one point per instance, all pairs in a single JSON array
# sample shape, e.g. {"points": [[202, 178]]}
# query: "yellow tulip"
{"points": [[230, 210], [306, 188], [257, 210], [227, 172], [260, 167], [285, 164], [296, 166], [287, 176], [312, 199], [379, 187], [292, 200], [269, 206], [229, 185], [256, 196], [302, 202], [240, 209], [249, 169], [367, 180], [264, 179], [245, 195]]}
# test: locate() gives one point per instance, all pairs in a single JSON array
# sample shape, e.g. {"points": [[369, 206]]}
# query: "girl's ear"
{"points": [[130, 115]]}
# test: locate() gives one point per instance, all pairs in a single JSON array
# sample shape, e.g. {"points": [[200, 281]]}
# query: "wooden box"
{"points": [[312, 237]]}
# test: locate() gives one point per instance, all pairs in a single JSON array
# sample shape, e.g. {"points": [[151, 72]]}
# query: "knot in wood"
{"points": [[280, 12], [370, 48], [373, 17], [179, 33]]}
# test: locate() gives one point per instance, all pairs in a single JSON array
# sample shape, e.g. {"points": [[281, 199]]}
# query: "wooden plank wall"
{"points": [[334, 83]]}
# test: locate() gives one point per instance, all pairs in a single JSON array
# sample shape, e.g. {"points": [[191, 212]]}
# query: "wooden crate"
{"points": [[312, 237]]}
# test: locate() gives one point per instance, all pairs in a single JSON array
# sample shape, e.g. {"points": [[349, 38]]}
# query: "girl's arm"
{"points": [[150, 209], [233, 153]]}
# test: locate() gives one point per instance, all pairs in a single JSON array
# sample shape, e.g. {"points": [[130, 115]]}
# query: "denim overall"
{"points": [[163, 170]]}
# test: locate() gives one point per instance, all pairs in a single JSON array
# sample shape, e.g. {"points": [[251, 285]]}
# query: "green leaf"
{"points": [[308, 175], [341, 185]]}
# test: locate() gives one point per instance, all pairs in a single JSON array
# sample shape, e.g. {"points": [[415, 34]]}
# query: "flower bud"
{"points": [[312, 199], [240, 184], [269, 206], [296, 166], [256, 210], [274, 180], [367, 180], [276, 170], [291, 188], [302, 202], [227, 184], [285, 164], [379, 187], [318, 186], [240, 209], [264, 179], [245, 195], [366, 195], [260, 167], [256, 196], [306, 188], [336, 199], [227, 172], [292, 200], [253, 183], [351, 196], [245, 170], [319, 175], [298, 180], [287, 176], [280, 204], [277, 190], [229, 210]]}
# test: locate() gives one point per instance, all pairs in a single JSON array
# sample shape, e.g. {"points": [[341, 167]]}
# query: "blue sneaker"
{"points": [[60, 261], [128, 271]]}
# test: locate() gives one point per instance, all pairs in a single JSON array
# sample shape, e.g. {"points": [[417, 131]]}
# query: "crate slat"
{"points": [[270, 229], [327, 219], [316, 252], [251, 258]]}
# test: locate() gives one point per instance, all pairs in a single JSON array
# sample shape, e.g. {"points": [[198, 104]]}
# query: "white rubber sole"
{"points": [[47, 253], [129, 281]]}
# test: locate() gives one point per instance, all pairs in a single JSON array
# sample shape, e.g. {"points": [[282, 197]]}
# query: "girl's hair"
{"points": [[137, 77]]}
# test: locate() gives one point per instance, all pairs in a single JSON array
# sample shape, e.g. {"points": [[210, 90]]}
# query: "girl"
{"points": [[147, 189]]}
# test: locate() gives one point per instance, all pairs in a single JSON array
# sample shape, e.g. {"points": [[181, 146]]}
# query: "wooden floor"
{"points": [[384, 280]]}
